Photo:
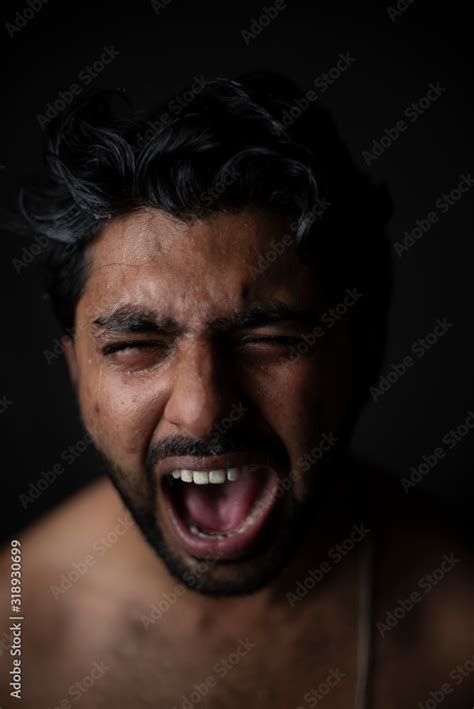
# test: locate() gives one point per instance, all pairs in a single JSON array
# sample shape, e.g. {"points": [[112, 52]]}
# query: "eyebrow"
{"points": [[264, 315], [136, 319]]}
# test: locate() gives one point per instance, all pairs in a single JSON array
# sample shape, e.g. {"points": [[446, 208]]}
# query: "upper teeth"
{"points": [[204, 477]]}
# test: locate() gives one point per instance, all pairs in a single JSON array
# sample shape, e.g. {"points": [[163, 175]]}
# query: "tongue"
{"points": [[225, 507]]}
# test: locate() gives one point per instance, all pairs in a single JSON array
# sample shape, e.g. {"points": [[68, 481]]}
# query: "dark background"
{"points": [[395, 62]]}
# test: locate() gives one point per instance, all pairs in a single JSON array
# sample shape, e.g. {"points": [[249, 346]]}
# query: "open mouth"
{"points": [[221, 513]]}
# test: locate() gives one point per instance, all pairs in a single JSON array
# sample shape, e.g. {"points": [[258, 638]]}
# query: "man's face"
{"points": [[185, 359]]}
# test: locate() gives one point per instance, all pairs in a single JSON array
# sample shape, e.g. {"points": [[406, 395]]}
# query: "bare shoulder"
{"points": [[77, 577], [62, 535], [73, 557]]}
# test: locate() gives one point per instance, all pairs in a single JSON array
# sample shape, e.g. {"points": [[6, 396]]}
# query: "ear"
{"points": [[71, 360]]}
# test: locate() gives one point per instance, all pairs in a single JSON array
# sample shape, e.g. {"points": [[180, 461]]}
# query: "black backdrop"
{"points": [[157, 47]]}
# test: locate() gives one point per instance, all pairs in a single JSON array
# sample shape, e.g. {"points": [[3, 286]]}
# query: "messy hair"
{"points": [[219, 147]]}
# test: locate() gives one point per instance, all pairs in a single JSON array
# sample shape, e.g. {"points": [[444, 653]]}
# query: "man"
{"points": [[223, 280]]}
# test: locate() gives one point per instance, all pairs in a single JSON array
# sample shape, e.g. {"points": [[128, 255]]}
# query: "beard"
{"points": [[216, 576]]}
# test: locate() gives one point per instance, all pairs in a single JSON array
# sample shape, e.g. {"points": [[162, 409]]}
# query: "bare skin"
{"points": [[155, 642]]}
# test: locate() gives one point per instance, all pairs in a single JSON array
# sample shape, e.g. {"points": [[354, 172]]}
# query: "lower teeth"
{"points": [[204, 535]]}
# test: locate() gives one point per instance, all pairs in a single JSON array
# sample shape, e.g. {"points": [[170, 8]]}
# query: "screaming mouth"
{"points": [[222, 511]]}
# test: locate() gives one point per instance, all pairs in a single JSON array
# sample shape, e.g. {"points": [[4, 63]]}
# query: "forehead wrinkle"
{"points": [[207, 273], [196, 298], [150, 234], [136, 237]]}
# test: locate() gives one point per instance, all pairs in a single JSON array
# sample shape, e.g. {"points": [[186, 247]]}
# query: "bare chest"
{"points": [[277, 669]]}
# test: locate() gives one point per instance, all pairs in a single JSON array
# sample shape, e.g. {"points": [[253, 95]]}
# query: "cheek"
{"points": [[305, 403], [337, 383], [120, 415], [288, 396], [306, 397]]}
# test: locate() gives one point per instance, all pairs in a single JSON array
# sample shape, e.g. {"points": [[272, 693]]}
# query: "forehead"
{"points": [[189, 268]]}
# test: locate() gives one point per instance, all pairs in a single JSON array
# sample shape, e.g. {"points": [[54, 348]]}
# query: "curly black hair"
{"points": [[216, 147]]}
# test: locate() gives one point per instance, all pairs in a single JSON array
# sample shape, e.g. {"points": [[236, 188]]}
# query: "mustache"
{"points": [[219, 444]]}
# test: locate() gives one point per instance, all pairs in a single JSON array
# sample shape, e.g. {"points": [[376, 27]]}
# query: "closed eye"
{"points": [[134, 344], [271, 339]]}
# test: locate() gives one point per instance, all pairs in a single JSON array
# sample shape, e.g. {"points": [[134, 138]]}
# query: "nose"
{"points": [[199, 396]]}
